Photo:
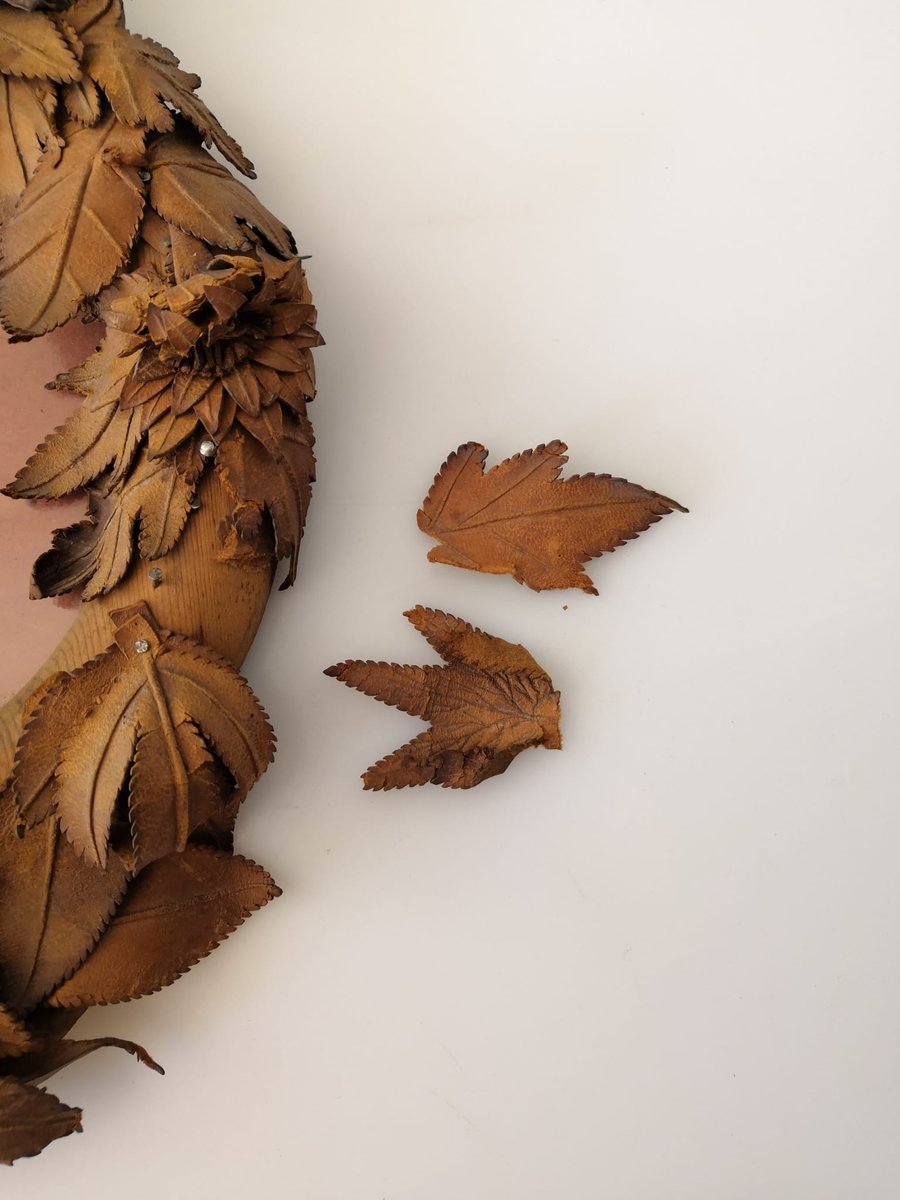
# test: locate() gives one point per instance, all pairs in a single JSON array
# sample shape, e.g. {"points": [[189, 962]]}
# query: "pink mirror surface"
{"points": [[31, 629]]}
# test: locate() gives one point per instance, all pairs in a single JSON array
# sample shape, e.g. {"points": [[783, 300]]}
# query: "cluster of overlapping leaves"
{"points": [[116, 866], [114, 209], [117, 869]]}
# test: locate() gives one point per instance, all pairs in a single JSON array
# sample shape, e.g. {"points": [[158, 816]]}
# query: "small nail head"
{"points": [[155, 576], [141, 646], [208, 448]]}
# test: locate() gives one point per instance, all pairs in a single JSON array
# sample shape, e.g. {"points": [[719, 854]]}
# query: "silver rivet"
{"points": [[195, 506], [155, 576], [208, 448], [141, 647]]}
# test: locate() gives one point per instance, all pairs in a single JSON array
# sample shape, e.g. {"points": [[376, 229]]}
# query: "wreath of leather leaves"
{"points": [[117, 867]]}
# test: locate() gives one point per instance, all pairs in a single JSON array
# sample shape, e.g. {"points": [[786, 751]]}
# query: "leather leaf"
{"points": [[81, 100], [30, 1119], [175, 913], [192, 191], [490, 702], [85, 17], [77, 452], [521, 519], [97, 436], [15, 1040], [141, 78], [54, 909], [154, 499], [26, 130], [155, 797], [46, 5], [133, 719], [31, 46], [47, 1056], [73, 227], [168, 251], [273, 478]]}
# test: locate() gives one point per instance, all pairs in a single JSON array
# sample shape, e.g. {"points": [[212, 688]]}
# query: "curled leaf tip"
{"points": [[521, 518]]}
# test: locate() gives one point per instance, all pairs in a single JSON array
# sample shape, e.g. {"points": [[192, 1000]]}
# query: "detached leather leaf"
{"points": [[54, 908], [26, 130], [197, 194], [31, 46], [175, 913], [73, 227], [274, 478], [140, 77], [521, 519], [490, 702], [154, 499], [458, 641], [135, 716], [30, 1119], [47, 1057]]}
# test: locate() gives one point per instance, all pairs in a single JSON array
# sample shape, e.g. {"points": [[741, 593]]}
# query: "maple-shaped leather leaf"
{"points": [[30, 1119], [272, 473], [133, 719], [26, 131], [72, 228], [490, 702], [81, 101], [521, 519], [155, 498], [141, 78], [31, 46], [175, 913], [199, 195], [54, 909]]}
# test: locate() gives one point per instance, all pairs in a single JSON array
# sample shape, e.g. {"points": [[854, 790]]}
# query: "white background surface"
{"points": [[663, 963]]}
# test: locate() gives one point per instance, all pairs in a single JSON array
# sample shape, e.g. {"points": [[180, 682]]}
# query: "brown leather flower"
{"points": [[226, 343], [219, 354]]}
